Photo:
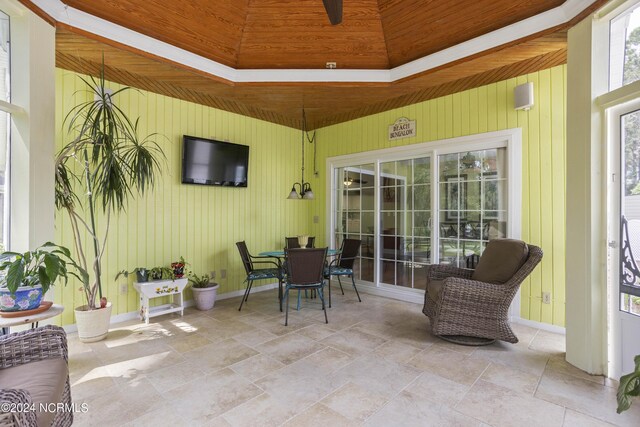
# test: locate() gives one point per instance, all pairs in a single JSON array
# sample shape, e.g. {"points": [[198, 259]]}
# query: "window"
{"points": [[624, 48], [5, 126], [428, 203]]}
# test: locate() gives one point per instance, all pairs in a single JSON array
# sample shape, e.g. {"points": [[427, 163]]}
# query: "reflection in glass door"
{"points": [[354, 214], [472, 204], [405, 221]]}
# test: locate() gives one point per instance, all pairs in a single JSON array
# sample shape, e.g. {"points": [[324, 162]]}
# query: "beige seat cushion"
{"points": [[434, 288], [44, 380], [501, 259]]}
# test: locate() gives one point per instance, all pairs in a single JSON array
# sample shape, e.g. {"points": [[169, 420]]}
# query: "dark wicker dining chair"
{"points": [[254, 273], [471, 307], [305, 271], [343, 265], [292, 242]]}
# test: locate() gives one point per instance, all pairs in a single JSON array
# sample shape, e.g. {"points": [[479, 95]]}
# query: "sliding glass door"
{"points": [[405, 220], [472, 204], [424, 205], [354, 196]]}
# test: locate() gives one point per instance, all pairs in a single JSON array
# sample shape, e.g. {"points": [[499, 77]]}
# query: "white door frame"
{"points": [[615, 317]]}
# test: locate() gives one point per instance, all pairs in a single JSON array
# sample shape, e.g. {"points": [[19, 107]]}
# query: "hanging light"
{"points": [[303, 191]]}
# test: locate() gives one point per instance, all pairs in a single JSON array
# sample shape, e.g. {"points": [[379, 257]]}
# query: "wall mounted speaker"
{"points": [[523, 96]]}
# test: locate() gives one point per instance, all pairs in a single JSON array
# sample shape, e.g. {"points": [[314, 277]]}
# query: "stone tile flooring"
{"points": [[375, 363]]}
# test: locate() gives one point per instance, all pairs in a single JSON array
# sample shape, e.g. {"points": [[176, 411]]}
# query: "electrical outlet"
{"points": [[213, 274], [124, 288], [316, 219], [223, 274], [546, 297]]}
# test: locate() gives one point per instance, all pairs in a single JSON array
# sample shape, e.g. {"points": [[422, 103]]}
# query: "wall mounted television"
{"points": [[211, 162]]}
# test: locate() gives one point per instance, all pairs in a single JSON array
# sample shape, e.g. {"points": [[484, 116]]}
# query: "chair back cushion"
{"points": [[305, 266], [501, 259]]}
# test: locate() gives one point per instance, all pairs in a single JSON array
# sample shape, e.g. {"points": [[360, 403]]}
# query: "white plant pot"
{"points": [[205, 298], [93, 325]]}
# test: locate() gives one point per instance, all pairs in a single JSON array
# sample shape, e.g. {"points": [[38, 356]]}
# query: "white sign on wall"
{"points": [[402, 128]]}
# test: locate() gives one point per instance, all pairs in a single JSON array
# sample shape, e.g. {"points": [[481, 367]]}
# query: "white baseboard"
{"points": [[539, 325], [124, 317]]}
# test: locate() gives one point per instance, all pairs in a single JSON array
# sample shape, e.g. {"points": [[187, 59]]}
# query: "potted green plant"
{"points": [[204, 291], [629, 387], [161, 273], [142, 274], [101, 168], [28, 276]]}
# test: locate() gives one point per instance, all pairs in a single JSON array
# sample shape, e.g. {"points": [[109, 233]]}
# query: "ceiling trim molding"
{"points": [[100, 27]]}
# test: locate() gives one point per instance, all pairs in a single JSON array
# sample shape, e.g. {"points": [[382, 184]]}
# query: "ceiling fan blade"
{"points": [[334, 10]]}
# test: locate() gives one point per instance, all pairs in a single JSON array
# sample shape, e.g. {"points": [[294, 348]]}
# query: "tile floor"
{"points": [[375, 363]]}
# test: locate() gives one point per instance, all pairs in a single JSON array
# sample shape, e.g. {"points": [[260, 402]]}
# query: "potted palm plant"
{"points": [[100, 169], [204, 291], [27, 276]]}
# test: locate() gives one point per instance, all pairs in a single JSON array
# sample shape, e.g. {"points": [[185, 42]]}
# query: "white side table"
{"points": [[160, 288], [7, 322]]}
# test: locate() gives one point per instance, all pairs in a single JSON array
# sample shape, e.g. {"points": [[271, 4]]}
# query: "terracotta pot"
{"points": [[93, 325]]}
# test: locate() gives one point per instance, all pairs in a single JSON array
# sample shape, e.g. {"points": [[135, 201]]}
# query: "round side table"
{"points": [[7, 322]]}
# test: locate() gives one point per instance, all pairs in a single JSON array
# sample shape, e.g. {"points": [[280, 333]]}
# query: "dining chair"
{"points": [[292, 242], [254, 273], [343, 265], [305, 271]]}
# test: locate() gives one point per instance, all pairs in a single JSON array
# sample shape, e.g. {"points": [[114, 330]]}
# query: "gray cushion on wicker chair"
{"points": [[44, 380], [34, 369], [500, 260], [458, 305]]}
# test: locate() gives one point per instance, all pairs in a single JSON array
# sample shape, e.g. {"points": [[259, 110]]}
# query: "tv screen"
{"points": [[210, 162]]}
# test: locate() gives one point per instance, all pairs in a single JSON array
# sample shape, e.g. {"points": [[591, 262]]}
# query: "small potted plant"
{"points": [[28, 276], [629, 387], [160, 273], [142, 274], [204, 291], [178, 268]]}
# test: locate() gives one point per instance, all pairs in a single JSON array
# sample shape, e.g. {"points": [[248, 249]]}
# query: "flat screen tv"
{"points": [[211, 162]]}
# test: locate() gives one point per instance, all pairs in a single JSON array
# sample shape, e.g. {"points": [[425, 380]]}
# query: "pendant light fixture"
{"points": [[303, 191]]}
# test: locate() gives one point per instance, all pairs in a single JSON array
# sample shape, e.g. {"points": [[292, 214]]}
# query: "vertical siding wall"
{"points": [[198, 222], [484, 109]]}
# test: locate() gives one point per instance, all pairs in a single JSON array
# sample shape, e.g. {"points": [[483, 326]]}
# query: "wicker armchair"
{"points": [[46, 346], [474, 312]]}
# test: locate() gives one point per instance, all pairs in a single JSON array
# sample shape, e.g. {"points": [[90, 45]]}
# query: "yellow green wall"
{"points": [[200, 223], [484, 109]]}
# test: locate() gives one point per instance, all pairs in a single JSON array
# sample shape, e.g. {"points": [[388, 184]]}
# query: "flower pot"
{"points": [[142, 275], [93, 325], [205, 298], [178, 269], [25, 298]]}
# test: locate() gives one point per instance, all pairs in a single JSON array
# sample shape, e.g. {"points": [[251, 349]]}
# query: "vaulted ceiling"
{"points": [[405, 51]]}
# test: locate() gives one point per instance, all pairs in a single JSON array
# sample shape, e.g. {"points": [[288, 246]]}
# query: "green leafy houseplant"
{"points": [[200, 282], [42, 266], [104, 165], [629, 387], [161, 273]]}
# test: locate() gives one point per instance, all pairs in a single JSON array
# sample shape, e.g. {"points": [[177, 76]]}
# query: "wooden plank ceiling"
{"points": [[296, 34]]}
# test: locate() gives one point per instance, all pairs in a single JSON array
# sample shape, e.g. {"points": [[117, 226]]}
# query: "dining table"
{"points": [[279, 254]]}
